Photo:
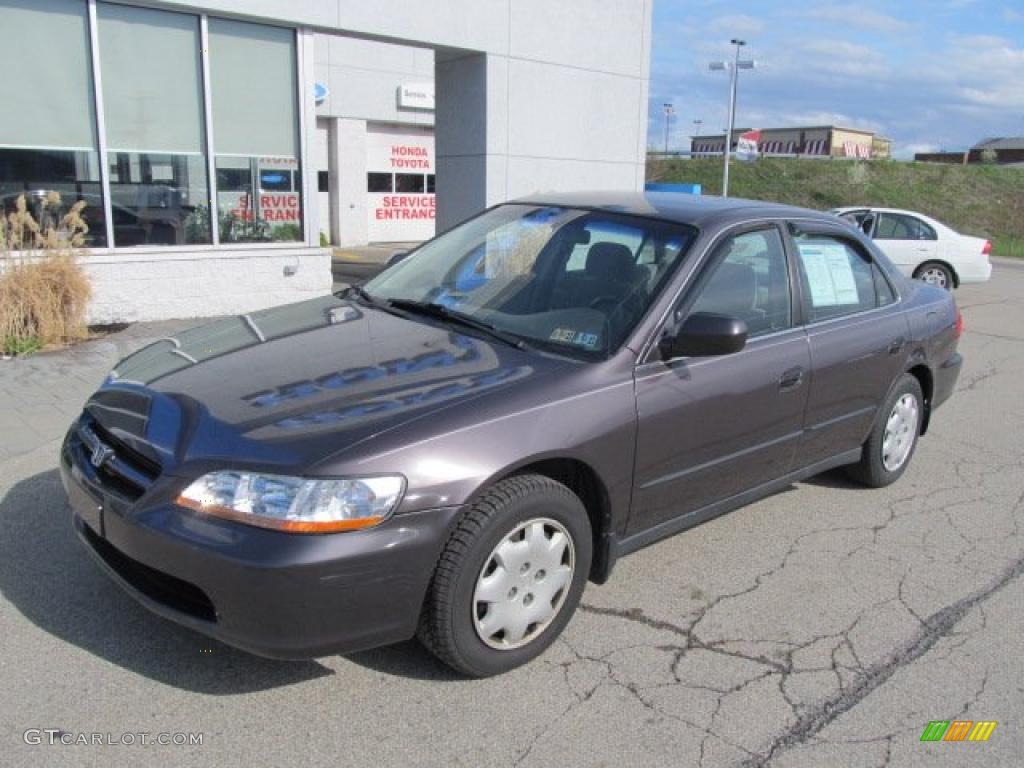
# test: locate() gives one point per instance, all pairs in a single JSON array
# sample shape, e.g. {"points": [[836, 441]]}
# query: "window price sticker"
{"points": [[829, 275]]}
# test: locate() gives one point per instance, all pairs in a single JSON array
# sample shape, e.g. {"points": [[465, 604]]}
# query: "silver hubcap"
{"points": [[900, 432], [935, 276], [523, 584]]}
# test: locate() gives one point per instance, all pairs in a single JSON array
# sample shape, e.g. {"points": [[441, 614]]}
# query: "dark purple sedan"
{"points": [[455, 448]]}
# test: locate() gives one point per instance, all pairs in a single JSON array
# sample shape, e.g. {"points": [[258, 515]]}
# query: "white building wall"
{"points": [[348, 181], [160, 285]]}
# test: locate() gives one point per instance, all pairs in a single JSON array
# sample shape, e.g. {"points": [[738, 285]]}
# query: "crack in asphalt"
{"points": [[938, 625]]}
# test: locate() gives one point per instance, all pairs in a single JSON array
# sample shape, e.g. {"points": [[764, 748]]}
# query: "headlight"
{"points": [[295, 503]]}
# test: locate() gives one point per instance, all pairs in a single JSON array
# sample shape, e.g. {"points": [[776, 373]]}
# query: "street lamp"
{"points": [[669, 110], [733, 67], [696, 132]]}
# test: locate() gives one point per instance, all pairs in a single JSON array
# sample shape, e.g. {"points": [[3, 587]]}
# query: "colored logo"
{"points": [[320, 92], [958, 730]]}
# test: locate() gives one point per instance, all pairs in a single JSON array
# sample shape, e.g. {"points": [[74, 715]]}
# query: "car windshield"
{"points": [[569, 280]]}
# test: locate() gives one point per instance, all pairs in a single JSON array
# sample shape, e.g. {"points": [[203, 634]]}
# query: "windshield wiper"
{"points": [[441, 312], [365, 297]]}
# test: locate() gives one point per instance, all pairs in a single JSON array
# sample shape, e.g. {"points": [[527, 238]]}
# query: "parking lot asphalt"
{"points": [[823, 626]]}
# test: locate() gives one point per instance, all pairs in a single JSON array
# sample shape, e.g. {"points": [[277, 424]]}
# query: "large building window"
{"points": [[153, 157], [47, 119], [253, 76], [153, 111]]}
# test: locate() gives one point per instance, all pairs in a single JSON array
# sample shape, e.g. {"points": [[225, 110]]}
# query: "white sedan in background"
{"points": [[922, 247]]}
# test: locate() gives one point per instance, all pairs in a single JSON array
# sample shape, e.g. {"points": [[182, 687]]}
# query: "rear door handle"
{"points": [[896, 345], [791, 379]]}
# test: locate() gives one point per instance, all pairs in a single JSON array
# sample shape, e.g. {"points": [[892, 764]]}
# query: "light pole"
{"points": [[669, 110], [733, 66], [696, 132]]}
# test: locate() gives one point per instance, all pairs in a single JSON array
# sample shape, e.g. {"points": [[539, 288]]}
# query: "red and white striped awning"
{"points": [[778, 147], [815, 147], [853, 149]]}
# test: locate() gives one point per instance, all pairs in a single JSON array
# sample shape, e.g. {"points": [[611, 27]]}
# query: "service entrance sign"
{"points": [[400, 200], [746, 146]]}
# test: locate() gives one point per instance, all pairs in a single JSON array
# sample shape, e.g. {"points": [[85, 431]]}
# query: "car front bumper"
{"points": [[275, 594]]}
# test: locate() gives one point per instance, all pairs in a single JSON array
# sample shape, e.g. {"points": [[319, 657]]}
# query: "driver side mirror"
{"points": [[704, 334]]}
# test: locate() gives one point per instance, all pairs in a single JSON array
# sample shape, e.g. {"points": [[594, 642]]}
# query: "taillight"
{"points": [[958, 329], [986, 249]]}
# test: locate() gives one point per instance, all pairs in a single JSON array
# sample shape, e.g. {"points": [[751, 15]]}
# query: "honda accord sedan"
{"points": [[455, 448]]}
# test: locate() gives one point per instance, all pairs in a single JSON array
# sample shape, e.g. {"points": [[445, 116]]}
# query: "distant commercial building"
{"points": [[812, 141], [1008, 151]]}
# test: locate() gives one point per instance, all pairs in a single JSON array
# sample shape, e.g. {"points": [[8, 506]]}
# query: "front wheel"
{"points": [[892, 441], [934, 273], [509, 578]]}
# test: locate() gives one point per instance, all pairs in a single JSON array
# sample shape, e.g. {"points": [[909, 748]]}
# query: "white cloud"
{"points": [[982, 70], [858, 16], [841, 57], [738, 24], [907, 151]]}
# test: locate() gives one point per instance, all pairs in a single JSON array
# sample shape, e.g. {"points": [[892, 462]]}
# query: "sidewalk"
{"points": [[360, 263], [41, 394]]}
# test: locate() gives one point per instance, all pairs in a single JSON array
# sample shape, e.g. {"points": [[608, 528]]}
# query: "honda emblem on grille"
{"points": [[101, 454]]}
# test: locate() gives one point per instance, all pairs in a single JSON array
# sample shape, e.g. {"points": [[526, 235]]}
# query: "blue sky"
{"points": [[928, 74]]}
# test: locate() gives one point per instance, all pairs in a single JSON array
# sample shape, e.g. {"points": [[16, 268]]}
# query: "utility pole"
{"points": [[669, 110], [733, 67]]}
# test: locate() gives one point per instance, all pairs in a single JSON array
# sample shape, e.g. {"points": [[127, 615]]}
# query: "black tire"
{"points": [[932, 272], [871, 470], [447, 623]]}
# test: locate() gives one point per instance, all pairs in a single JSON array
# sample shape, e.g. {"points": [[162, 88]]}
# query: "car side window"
{"points": [[838, 279], [898, 226], [925, 231], [749, 279], [886, 295]]}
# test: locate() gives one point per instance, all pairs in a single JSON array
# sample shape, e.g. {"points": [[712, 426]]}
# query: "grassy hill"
{"points": [[983, 200]]}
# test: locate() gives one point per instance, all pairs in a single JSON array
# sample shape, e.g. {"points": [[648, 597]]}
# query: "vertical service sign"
{"points": [[400, 201]]}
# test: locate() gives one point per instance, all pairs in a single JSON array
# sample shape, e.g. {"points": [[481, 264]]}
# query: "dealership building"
{"points": [[220, 145]]}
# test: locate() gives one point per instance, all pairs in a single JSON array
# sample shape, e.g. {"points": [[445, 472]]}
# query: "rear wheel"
{"points": [[891, 445], [509, 578], [935, 273]]}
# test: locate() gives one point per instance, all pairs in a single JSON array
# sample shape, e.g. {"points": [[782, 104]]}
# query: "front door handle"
{"points": [[896, 345], [791, 379]]}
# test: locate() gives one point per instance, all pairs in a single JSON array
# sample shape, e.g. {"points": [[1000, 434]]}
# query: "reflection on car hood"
{"points": [[290, 385]]}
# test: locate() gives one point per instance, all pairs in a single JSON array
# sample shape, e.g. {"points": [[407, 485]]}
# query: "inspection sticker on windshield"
{"points": [[829, 275], [577, 338]]}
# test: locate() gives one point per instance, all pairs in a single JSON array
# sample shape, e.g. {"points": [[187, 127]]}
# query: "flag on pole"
{"points": [[746, 147]]}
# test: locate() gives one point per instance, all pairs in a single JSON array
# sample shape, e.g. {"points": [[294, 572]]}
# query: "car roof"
{"points": [[696, 210], [931, 220]]}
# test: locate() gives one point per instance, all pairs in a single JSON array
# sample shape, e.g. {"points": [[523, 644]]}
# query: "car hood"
{"points": [[286, 387]]}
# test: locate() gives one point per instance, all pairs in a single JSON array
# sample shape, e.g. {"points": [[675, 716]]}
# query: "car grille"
{"points": [[119, 467], [175, 593]]}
